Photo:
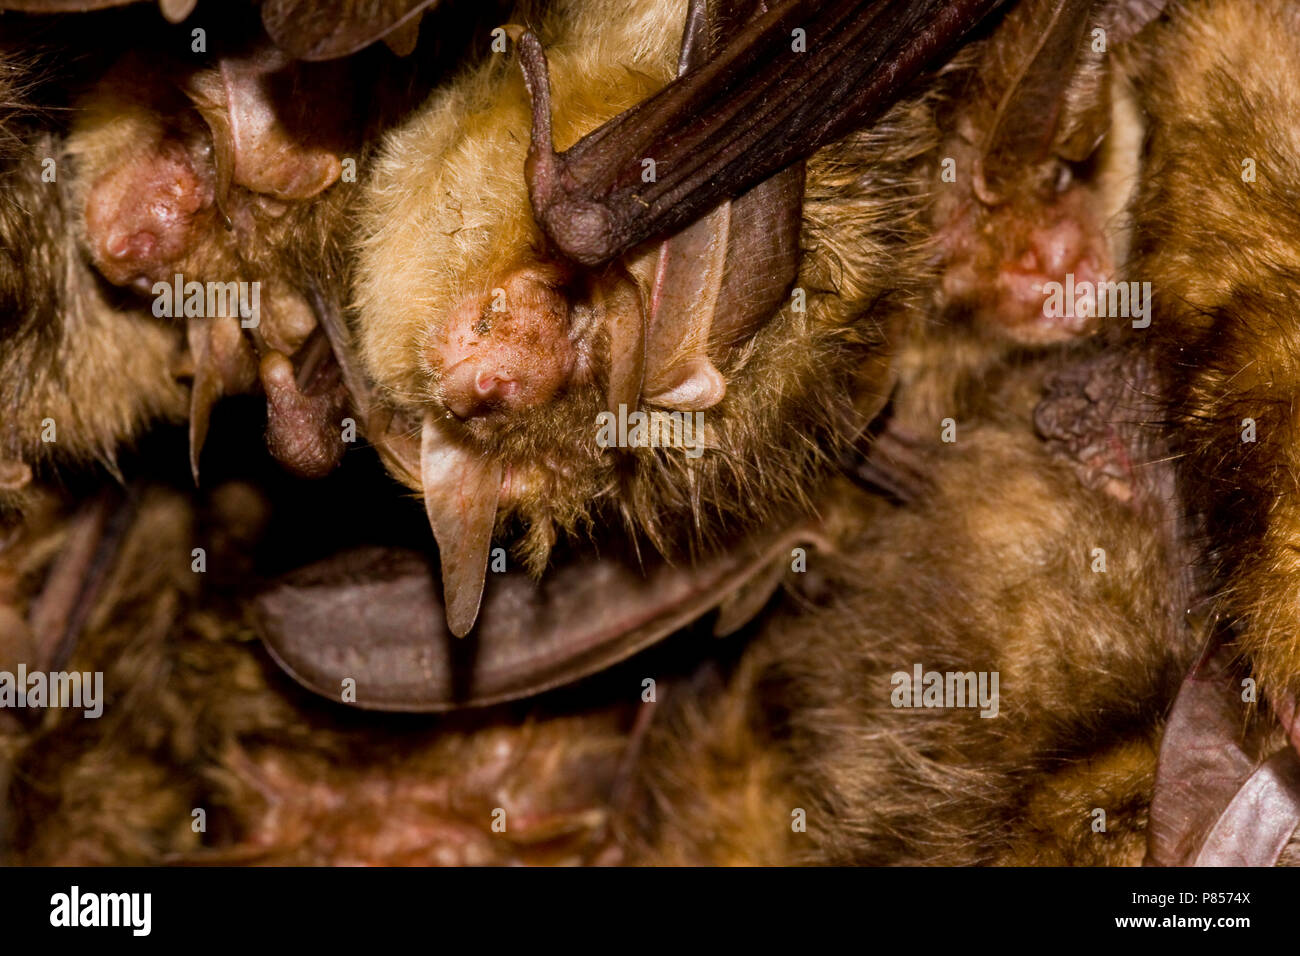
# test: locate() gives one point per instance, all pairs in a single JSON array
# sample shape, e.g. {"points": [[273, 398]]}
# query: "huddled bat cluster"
{"points": [[842, 431]]}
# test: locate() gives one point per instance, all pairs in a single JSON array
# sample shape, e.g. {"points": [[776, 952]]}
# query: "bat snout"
{"points": [[507, 350], [142, 217]]}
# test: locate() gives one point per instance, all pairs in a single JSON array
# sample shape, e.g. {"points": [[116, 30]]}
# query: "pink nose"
{"points": [[471, 391], [505, 352]]}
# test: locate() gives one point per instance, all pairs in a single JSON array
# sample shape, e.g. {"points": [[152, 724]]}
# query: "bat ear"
{"points": [[461, 491], [705, 297], [255, 144], [618, 302]]}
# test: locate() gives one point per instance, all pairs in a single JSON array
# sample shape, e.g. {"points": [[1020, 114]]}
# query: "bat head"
{"points": [[527, 376], [466, 315]]}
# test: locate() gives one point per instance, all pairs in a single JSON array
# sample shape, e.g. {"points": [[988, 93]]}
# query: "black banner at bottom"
{"points": [[492, 906]]}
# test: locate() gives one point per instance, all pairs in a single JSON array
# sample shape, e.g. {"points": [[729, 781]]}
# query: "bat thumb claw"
{"points": [[541, 167]]}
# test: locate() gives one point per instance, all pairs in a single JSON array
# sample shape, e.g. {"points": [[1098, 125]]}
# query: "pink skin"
{"points": [[513, 358], [1000, 261], [145, 215]]}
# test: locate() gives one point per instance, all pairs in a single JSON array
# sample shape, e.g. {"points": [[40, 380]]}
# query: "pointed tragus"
{"points": [[461, 492]]}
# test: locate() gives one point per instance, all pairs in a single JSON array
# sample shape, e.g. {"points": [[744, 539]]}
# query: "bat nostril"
{"points": [[131, 245], [474, 393], [495, 385]]}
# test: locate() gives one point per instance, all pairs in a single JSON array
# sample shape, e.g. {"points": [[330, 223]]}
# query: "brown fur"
{"points": [[987, 569], [992, 571], [68, 351], [197, 717], [1216, 84]]}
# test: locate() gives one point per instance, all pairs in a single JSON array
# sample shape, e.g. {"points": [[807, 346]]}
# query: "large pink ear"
{"points": [[258, 133], [374, 616], [717, 283]]}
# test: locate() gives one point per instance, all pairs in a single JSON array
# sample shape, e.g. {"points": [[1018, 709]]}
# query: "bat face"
{"points": [[81, 373], [464, 314], [516, 362]]}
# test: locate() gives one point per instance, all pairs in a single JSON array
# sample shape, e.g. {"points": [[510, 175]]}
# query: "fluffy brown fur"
{"points": [[68, 351], [988, 566], [1216, 84], [991, 570], [197, 717]]}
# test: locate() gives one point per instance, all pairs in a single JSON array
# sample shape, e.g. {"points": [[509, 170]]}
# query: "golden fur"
{"points": [[1216, 84]]}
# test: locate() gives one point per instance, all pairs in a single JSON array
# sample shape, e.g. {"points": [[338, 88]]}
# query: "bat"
{"points": [[178, 668], [991, 567], [503, 347], [1215, 330], [217, 169], [1217, 154], [1038, 185], [463, 490], [987, 566], [62, 334]]}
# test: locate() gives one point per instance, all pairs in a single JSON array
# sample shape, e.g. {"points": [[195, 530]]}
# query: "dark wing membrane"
{"points": [[326, 29], [799, 76]]}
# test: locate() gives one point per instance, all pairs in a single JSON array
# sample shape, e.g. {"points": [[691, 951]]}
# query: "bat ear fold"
{"points": [[619, 305], [693, 387], [253, 145]]}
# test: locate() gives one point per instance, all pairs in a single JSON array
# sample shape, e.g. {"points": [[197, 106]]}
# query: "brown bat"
{"points": [[167, 156], [762, 329], [1212, 83], [204, 175], [553, 641], [63, 336], [86, 367], [1051, 564], [182, 168], [988, 566], [941, 578], [195, 717]]}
